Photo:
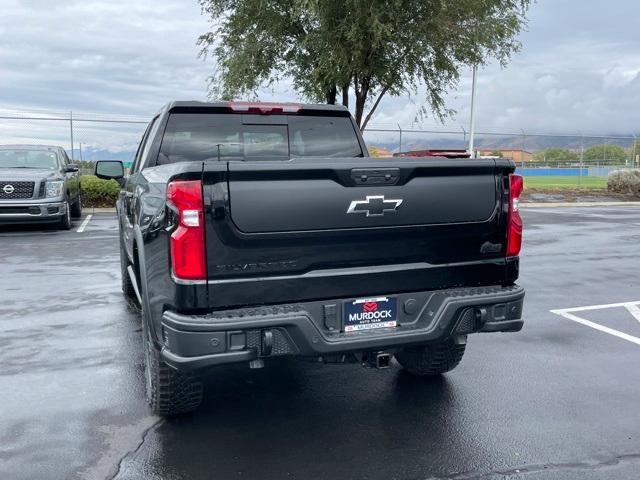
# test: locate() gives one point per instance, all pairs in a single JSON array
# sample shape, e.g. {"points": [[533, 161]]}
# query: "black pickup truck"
{"points": [[251, 230]]}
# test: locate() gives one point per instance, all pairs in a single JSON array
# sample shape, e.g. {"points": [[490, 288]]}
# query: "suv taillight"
{"points": [[514, 223], [188, 255]]}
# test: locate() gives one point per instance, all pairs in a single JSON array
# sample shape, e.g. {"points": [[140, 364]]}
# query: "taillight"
{"points": [[514, 224], [188, 256], [265, 108]]}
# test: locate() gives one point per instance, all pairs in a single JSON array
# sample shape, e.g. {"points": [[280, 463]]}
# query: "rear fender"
{"points": [[154, 327]]}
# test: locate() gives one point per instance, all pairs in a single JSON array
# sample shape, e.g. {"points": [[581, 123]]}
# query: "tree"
{"points": [[605, 153], [496, 153], [366, 48], [635, 153], [557, 155]]}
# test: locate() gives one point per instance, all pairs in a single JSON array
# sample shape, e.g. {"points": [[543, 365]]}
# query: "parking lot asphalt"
{"points": [[558, 400]]}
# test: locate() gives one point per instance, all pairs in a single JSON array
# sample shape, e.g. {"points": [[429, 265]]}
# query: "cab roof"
{"points": [[30, 147], [257, 107]]}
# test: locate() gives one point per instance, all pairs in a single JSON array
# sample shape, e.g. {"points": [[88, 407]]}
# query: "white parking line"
{"points": [[632, 307], [84, 224], [634, 310]]}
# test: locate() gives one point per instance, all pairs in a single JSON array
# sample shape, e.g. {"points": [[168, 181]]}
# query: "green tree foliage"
{"points": [[496, 153], [556, 155], [606, 153], [369, 48]]}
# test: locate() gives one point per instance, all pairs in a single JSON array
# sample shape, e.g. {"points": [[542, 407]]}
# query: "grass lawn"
{"points": [[553, 183]]}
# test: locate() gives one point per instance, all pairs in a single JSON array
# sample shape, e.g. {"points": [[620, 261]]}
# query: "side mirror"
{"points": [[71, 168], [109, 169]]}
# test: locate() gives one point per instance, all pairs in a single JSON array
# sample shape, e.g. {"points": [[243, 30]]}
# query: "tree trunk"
{"points": [[331, 95], [373, 108], [361, 99], [345, 95]]}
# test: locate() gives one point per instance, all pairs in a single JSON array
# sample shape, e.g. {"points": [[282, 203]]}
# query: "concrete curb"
{"points": [[579, 204]]}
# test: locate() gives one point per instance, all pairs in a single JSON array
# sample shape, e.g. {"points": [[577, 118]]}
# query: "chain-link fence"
{"points": [[554, 161], [566, 157], [86, 137]]}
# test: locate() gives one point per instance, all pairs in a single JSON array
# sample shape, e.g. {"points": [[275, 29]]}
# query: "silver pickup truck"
{"points": [[38, 184]]}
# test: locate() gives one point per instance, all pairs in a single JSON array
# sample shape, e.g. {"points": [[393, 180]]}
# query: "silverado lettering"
{"points": [[256, 266]]}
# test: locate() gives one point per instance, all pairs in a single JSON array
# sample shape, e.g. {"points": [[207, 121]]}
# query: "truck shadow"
{"points": [[42, 228], [313, 421]]}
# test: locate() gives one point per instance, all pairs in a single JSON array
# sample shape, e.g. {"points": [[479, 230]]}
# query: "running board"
{"points": [[134, 282]]}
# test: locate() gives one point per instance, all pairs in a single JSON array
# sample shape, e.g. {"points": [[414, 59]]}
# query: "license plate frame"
{"points": [[370, 313]]}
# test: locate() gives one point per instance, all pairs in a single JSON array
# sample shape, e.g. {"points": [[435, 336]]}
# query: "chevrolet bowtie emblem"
{"points": [[374, 206]]}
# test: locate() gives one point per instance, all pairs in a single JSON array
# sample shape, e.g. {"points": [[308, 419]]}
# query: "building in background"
{"points": [[517, 155], [379, 151]]}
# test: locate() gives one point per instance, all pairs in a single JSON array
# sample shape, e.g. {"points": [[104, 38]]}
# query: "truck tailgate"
{"points": [[318, 228], [299, 196]]}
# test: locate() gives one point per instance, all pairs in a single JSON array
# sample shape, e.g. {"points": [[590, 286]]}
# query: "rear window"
{"points": [[198, 137]]}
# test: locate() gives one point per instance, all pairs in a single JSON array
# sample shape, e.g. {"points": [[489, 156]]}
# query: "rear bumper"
{"points": [[314, 329], [28, 212]]}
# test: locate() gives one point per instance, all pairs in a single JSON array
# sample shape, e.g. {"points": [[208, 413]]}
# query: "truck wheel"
{"points": [[169, 392], [432, 359], [65, 221], [76, 207], [127, 284]]}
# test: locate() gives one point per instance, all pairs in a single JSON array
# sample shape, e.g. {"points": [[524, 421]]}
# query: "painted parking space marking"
{"points": [[573, 314], [634, 309], [84, 224]]}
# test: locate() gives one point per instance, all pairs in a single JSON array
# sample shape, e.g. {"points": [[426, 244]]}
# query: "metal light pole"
{"points": [[472, 126], [524, 139], [71, 129], [581, 160]]}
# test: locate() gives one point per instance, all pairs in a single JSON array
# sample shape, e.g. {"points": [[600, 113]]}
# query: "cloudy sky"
{"points": [[579, 68]]}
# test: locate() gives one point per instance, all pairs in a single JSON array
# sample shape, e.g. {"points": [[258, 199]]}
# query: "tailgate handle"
{"points": [[375, 176]]}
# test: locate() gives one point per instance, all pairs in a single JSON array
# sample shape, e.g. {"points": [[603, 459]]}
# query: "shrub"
{"points": [[624, 181], [97, 192]]}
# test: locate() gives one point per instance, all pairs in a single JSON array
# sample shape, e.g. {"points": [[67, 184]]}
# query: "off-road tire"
{"points": [[65, 221], [432, 359], [127, 284], [169, 392], [76, 207]]}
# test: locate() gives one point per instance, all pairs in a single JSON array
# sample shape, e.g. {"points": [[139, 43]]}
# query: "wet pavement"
{"points": [[558, 400]]}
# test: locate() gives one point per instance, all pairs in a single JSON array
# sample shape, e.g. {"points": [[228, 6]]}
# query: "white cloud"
{"points": [[121, 56], [578, 70]]}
